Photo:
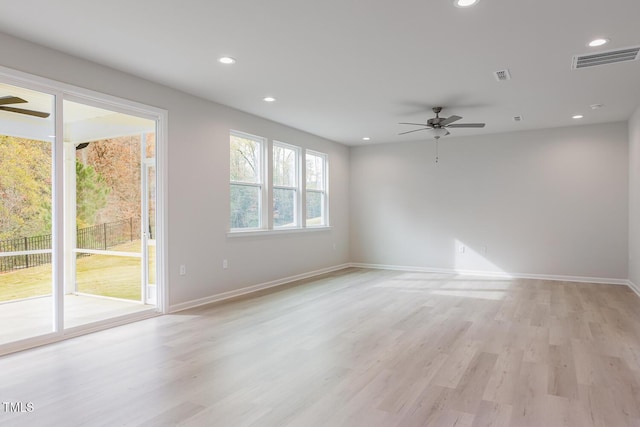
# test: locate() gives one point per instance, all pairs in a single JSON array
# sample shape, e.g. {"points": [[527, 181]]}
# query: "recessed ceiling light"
{"points": [[268, 99], [465, 3], [577, 116], [226, 60], [598, 42]]}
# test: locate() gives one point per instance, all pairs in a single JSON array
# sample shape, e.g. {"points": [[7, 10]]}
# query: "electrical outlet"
{"points": [[225, 264], [183, 269]]}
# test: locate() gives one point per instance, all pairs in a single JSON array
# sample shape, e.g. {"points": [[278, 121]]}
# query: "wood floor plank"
{"points": [[428, 408], [457, 363], [492, 414], [470, 389], [562, 379], [536, 348], [502, 384], [452, 419], [529, 407]]}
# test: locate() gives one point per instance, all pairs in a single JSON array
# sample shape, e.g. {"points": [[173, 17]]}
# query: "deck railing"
{"points": [[100, 236]]}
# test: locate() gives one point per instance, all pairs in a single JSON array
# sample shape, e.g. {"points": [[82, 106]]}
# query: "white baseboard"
{"points": [[635, 288], [250, 289], [496, 274]]}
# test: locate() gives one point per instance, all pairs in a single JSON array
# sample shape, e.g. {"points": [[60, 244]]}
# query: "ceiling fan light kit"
{"points": [[439, 133]]}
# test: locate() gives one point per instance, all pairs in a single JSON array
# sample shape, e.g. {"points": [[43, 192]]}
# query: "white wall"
{"points": [[634, 199], [198, 174], [548, 202]]}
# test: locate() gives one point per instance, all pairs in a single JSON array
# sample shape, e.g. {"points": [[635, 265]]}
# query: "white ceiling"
{"points": [[345, 69]]}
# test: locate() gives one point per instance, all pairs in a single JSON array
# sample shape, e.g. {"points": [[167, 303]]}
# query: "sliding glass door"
{"points": [[78, 212]]}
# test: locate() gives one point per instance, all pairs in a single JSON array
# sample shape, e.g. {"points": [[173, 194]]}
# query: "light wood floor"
{"points": [[353, 348]]}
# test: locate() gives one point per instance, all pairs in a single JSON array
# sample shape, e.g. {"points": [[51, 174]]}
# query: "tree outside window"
{"points": [[246, 181], [316, 196], [285, 185]]}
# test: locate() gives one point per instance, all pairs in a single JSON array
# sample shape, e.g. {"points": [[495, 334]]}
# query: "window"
{"points": [[247, 182], [266, 183], [285, 185], [316, 189]]}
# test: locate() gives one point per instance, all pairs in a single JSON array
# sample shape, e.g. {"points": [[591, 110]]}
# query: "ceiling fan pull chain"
{"points": [[436, 150]]}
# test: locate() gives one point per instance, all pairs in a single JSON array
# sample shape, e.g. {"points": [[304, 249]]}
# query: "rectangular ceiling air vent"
{"points": [[603, 58], [502, 75], [517, 118]]}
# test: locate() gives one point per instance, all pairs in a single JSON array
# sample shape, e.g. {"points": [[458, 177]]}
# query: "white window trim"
{"points": [[280, 230]]}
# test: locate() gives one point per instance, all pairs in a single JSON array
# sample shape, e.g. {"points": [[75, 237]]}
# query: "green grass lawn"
{"points": [[25, 283], [111, 276]]}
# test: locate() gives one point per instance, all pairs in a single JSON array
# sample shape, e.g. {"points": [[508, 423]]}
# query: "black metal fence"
{"points": [[25, 244], [109, 234], [101, 236]]}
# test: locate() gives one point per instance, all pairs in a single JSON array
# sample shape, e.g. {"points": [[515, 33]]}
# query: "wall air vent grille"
{"points": [[502, 75], [603, 58]]}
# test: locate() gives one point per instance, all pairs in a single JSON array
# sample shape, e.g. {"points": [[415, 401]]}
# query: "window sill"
{"points": [[247, 233]]}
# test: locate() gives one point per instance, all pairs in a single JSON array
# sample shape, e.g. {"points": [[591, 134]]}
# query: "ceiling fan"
{"points": [[6, 100], [439, 124]]}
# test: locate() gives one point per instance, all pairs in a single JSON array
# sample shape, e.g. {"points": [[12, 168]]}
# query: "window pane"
{"points": [[315, 208], [107, 275], [122, 235], [315, 172], [108, 191], [284, 166], [245, 206], [26, 199], [245, 159], [284, 207]]}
